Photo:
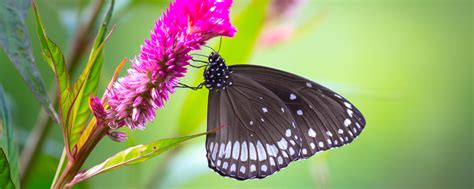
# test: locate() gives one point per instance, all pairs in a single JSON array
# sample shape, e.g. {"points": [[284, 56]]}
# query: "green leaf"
{"points": [[133, 155], [16, 43], [245, 40], [5, 179], [81, 112], [54, 57], [7, 138]]}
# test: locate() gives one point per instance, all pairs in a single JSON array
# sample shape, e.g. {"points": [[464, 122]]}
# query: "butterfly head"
{"points": [[216, 74], [215, 58]]}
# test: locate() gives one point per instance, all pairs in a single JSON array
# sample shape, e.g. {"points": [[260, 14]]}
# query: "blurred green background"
{"points": [[406, 64]]}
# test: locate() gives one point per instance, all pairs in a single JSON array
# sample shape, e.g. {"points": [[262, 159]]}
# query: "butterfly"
{"points": [[270, 118]]}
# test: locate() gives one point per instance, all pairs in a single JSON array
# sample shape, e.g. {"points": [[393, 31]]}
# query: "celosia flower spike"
{"points": [[185, 26]]}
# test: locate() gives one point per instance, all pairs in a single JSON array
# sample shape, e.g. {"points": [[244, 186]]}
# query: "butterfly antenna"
{"points": [[220, 43], [210, 48], [195, 54]]}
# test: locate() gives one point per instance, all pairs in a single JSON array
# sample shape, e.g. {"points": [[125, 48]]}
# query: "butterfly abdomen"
{"points": [[216, 74]]}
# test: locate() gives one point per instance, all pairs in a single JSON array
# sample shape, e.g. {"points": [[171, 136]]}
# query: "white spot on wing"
{"points": [[308, 84], [222, 150], [282, 144], [214, 151], [211, 145], [235, 150], [253, 168], [311, 132], [232, 167], [227, 150], [225, 165], [340, 131], [272, 161], [329, 133], [347, 122], [265, 110], [312, 145], [280, 160], [292, 96], [272, 150], [252, 152], [292, 151], [288, 133], [321, 144], [347, 105], [251, 122], [244, 152], [264, 168], [262, 155], [299, 112], [242, 169], [350, 112]]}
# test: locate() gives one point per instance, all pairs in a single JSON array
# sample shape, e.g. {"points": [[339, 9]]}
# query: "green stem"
{"points": [[60, 167], [73, 167]]}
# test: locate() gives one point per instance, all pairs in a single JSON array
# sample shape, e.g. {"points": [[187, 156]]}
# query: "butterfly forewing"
{"points": [[325, 119], [258, 135]]}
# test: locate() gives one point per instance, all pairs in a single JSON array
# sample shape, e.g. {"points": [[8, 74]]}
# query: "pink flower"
{"points": [[186, 25], [117, 136], [97, 109]]}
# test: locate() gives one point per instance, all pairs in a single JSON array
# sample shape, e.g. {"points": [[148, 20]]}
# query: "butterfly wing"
{"points": [[257, 136], [325, 119]]}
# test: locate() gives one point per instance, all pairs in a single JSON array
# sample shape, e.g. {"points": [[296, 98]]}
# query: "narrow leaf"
{"points": [[7, 138], [81, 112], [5, 179], [133, 155], [54, 57], [77, 87], [244, 40], [15, 41]]}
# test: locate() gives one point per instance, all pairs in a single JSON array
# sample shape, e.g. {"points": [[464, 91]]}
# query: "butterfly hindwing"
{"points": [[325, 119], [258, 135]]}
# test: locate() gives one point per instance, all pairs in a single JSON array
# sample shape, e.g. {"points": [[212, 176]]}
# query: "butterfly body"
{"points": [[216, 74], [269, 118]]}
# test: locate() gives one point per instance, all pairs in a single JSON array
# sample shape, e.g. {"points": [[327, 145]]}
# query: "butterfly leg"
{"points": [[200, 61], [194, 66], [181, 85]]}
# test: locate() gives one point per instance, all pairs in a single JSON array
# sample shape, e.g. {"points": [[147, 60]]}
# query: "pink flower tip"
{"points": [[97, 109], [117, 136], [185, 26]]}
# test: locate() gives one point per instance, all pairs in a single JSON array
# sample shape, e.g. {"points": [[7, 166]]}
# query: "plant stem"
{"points": [[43, 123], [74, 166], [60, 166]]}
